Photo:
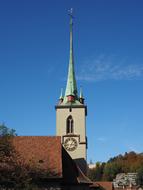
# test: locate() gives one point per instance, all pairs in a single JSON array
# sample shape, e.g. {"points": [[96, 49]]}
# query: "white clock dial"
{"points": [[70, 144]]}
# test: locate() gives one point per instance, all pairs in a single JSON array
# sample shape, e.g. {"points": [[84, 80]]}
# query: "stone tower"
{"points": [[71, 115]]}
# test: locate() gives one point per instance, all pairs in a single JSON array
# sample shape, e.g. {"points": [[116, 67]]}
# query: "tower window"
{"points": [[69, 128]]}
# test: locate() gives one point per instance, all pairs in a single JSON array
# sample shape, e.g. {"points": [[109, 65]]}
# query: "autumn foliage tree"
{"points": [[129, 162], [96, 172]]}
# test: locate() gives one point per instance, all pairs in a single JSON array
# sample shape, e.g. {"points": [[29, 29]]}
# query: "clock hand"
{"points": [[72, 143]]}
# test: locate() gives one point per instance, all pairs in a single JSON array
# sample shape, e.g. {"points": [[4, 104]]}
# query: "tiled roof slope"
{"points": [[105, 185], [82, 178], [43, 151], [47, 153], [72, 172]]}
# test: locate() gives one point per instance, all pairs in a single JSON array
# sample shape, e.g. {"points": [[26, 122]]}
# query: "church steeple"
{"points": [[71, 87], [71, 95], [71, 114]]}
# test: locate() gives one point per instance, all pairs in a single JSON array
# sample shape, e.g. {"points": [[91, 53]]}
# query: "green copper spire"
{"points": [[71, 88]]}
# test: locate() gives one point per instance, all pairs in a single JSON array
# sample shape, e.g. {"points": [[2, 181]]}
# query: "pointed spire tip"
{"points": [[61, 95]]}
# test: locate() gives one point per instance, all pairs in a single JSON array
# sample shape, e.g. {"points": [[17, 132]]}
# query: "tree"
{"points": [[96, 173], [129, 162], [5, 131], [140, 176], [13, 172], [111, 170]]}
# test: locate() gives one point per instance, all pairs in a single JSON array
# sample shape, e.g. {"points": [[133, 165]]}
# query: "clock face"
{"points": [[70, 144]]}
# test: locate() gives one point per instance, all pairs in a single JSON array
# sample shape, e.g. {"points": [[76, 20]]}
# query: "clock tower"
{"points": [[71, 115]]}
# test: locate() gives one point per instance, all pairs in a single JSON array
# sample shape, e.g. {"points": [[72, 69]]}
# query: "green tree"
{"points": [[140, 176], [13, 172], [96, 173], [5, 131], [111, 170]]}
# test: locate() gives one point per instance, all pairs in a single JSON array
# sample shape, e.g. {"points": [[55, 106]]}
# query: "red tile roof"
{"points": [[105, 185], [42, 151], [47, 153]]}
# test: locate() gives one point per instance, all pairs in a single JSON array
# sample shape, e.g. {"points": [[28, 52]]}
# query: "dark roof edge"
{"points": [[71, 106], [82, 178]]}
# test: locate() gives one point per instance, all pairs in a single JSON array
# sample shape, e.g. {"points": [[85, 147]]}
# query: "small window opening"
{"points": [[69, 125], [41, 161]]}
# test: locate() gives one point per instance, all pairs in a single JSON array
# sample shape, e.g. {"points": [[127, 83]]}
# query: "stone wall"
{"points": [[123, 180]]}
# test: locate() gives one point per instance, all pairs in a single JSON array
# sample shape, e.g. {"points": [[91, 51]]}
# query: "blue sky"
{"points": [[108, 45]]}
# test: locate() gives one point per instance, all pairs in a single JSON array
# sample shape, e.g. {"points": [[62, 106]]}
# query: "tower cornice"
{"points": [[71, 106]]}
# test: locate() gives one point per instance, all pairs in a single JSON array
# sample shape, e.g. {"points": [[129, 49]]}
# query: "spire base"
{"points": [[71, 98]]}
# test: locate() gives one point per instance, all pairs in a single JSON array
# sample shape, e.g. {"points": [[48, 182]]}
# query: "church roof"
{"points": [[47, 153], [103, 185], [43, 151]]}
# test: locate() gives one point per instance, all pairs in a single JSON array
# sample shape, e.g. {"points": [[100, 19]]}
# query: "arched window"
{"points": [[69, 125]]}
